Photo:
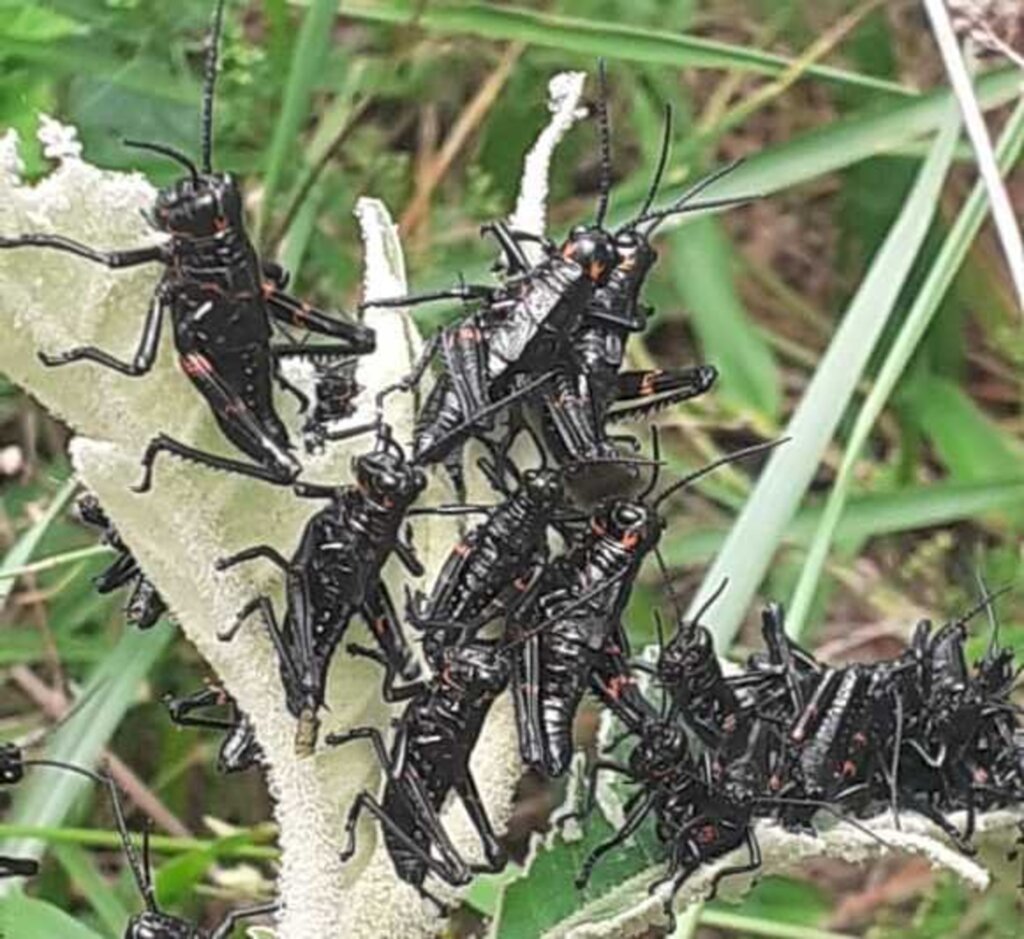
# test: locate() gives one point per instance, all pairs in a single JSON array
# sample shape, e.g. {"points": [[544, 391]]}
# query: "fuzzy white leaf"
{"points": [[193, 515], [630, 910], [564, 93]]}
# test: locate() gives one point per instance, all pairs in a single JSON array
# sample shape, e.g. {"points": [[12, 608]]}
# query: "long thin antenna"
{"points": [[605, 127], [167, 151], [138, 874], [659, 172], [710, 602], [209, 85], [722, 461]]}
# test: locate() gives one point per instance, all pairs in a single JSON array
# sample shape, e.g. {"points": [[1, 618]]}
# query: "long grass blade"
{"points": [[18, 556], [594, 38], [925, 305], [753, 540], [45, 797], [311, 48], [959, 78]]}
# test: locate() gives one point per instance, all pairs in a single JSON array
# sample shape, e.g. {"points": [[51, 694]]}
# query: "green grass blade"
{"points": [[751, 544], [25, 918], [869, 516], [748, 375], [231, 847], [88, 881], [935, 287], [311, 46], [18, 556], [970, 444], [54, 561], [594, 38], [841, 144], [47, 794]]}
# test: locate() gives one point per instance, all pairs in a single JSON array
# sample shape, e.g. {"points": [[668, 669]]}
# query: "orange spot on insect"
{"points": [[630, 540], [649, 384], [194, 364], [268, 289], [569, 251], [220, 223], [849, 768], [461, 549], [521, 583], [596, 270]]}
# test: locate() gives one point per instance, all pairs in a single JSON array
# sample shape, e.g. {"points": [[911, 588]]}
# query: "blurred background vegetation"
{"points": [[431, 107]]}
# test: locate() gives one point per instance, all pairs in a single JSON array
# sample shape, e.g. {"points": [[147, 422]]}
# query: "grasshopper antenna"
{"points": [[604, 124], [210, 84]]}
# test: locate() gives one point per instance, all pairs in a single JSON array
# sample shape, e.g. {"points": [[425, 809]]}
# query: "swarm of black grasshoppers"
{"points": [[531, 598], [786, 738]]}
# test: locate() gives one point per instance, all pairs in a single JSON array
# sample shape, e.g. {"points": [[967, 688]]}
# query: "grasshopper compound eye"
{"points": [[12, 764]]}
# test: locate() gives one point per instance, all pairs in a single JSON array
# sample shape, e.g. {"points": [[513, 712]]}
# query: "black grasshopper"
{"points": [[335, 574], [581, 645], [590, 389], [145, 606], [490, 569], [152, 923], [223, 301], [703, 811], [496, 561], [429, 759], [580, 291], [954, 741], [690, 674], [239, 750]]}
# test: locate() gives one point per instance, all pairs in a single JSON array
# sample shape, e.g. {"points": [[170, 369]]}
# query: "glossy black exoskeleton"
{"points": [[223, 301], [145, 606], [568, 626], [568, 312], [429, 759], [239, 750], [335, 574]]}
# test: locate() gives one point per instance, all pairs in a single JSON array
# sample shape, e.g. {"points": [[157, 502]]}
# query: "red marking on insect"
{"points": [[596, 270], [649, 384], [268, 289], [981, 775], [630, 540], [598, 529], [194, 364], [379, 625], [849, 768], [220, 223], [707, 834], [569, 250], [521, 583], [209, 286], [461, 549], [617, 685]]}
